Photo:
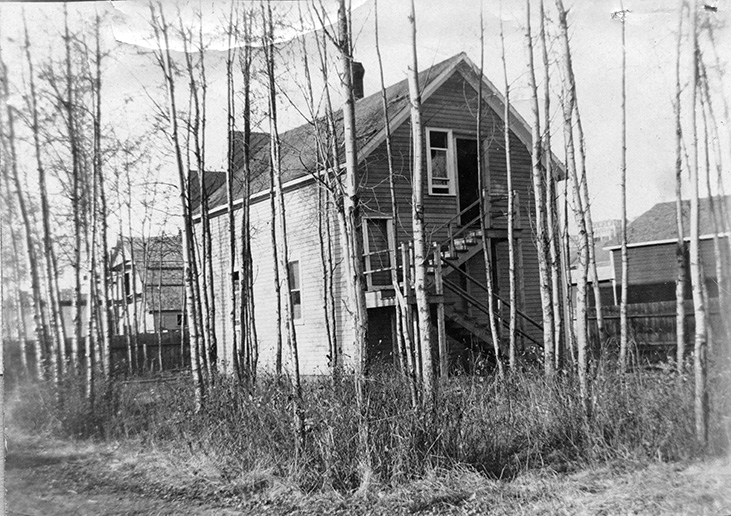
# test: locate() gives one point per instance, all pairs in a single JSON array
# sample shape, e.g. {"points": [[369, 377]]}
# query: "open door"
{"points": [[468, 180]]}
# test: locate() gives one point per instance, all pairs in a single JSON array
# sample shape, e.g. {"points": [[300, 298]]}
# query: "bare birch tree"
{"points": [[246, 287], [511, 209], [484, 215], [623, 331], [553, 232], [696, 276], [541, 206], [281, 223], [403, 344], [49, 253], [680, 281], [569, 98], [429, 385], [162, 57], [12, 176]]}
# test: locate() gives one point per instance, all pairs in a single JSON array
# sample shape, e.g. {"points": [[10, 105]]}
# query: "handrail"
{"points": [[478, 304], [456, 217], [480, 285]]}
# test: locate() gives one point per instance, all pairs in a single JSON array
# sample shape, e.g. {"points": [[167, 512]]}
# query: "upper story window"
{"points": [[440, 164]]}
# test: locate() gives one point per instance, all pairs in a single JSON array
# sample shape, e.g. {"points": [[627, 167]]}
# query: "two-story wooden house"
{"points": [[147, 281], [449, 109]]}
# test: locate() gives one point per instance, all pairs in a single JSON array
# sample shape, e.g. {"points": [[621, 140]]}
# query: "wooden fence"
{"points": [[652, 327], [172, 345]]}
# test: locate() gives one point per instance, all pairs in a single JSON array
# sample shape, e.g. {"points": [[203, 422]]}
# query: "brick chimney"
{"points": [[358, 73]]}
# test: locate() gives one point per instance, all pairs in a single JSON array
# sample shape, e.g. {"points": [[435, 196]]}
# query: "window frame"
{"points": [[450, 162], [390, 237], [292, 260]]}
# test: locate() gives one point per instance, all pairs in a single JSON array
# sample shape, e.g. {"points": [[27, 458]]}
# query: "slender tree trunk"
{"points": [[21, 331], [354, 236], [76, 195], [714, 222], [569, 94], [623, 331], [158, 323], [323, 212], [106, 323], [680, 282], [399, 330], [202, 277], [91, 297], [716, 203], [230, 170], [163, 60], [485, 215], [277, 272], [541, 207], [135, 326], [351, 205], [49, 254], [420, 251], [696, 276], [248, 334], [14, 178], [511, 211], [209, 283], [583, 181], [124, 294], [553, 232], [335, 188], [281, 222]]}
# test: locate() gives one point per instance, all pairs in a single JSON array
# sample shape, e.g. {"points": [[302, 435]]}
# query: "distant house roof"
{"points": [[214, 179], [299, 146], [659, 223], [152, 253]]}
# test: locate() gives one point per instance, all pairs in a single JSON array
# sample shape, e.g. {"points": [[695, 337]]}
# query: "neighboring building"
{"points": [[149, 273], [449, 107], [652, 246], [606, 230]]}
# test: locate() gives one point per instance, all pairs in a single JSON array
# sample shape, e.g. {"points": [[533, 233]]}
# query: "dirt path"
{"points": [[57, 478], [51, 477]]}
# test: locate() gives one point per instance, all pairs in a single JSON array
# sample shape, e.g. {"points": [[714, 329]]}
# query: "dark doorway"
{"points": [[467, 176], [380, 337]]}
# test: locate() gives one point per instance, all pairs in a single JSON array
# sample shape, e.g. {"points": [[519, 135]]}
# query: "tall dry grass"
{"points": [[498, 428]]}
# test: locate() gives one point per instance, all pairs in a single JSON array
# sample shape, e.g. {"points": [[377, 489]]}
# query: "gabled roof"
{"points": [[658, 224], [164, 251], [214, 179], [299, 153]]}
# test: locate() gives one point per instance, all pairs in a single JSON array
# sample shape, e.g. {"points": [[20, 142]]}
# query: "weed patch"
{"points": [[242, 442]]}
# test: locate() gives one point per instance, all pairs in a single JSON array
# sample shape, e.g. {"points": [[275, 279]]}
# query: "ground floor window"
{"points": [[378, 243], [295, 290]]}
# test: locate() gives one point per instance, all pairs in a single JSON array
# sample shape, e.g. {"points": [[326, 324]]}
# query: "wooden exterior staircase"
{"points": [[466, 320], [464, 241]]}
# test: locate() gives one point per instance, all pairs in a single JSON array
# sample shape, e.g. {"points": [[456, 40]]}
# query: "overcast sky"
{"points": [[445, 28]]}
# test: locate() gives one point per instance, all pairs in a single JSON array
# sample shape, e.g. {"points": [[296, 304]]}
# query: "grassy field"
{"points": [[520, 446], [47, 476]]}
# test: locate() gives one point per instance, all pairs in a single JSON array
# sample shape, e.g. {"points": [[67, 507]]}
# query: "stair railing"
{"points": [[453, 223], [482, 287], [484, 309]]}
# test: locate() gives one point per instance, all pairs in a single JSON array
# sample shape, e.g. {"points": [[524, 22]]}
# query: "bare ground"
{"points": [[45, 476]]}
